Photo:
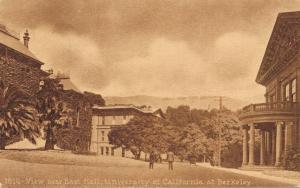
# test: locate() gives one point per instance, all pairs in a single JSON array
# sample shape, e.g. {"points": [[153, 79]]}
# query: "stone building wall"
{"points": [[80, 112], [20, 71]]}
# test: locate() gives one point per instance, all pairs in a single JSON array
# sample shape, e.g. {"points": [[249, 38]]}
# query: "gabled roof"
{"points": [[9, 40], [68, 84], [282, 48]]}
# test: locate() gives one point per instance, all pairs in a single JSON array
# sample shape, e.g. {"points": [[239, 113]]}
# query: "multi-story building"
{"points": [[18, 65], [277, 120], [107, 117], [76, 135]]}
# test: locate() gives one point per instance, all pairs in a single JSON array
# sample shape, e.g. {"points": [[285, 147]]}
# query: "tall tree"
{"points": [[143, 133], [52, 112], [179, 116], [204, 133], [16, 115], [95, 99], [191, 141], [222, 129]]}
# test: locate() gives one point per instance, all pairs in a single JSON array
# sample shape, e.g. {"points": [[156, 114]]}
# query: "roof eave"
{"points": [[35, 60], [259, 78]]}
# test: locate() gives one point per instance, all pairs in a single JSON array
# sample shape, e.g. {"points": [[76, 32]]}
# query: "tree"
{"points": [[143, 133], [52, 112], [16, 115], [191, 143], [179, 116], [95, 99], [198, 115], [222, 129], [204, 133]]}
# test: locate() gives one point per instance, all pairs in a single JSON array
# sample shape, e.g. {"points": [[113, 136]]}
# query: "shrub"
{"points": [[74, 139], [291, 160], [232, 156]]}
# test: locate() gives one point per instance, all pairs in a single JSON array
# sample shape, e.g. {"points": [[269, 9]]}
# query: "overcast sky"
{"points": [[162, 48]]}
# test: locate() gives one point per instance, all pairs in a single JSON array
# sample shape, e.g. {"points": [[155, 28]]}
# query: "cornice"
{"points": [[282, 47]]}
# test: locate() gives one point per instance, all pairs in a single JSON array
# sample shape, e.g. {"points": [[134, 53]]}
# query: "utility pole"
{"points": [[220, 100], [220, 147], [219, 129], [219, 133], [220, 103]]}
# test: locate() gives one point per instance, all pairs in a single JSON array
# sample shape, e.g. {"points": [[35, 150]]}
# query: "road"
{"points": [[24, 174]]}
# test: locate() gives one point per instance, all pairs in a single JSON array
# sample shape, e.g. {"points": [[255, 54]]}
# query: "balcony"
{"points": [[265, 112]]}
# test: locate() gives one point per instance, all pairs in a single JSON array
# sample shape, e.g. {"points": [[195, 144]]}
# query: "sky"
{"points": [[151, 47]]}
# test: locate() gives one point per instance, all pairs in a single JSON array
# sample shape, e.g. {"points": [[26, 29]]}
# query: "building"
{"points": [[21, 68], [277, 120], [77, 132], [18, 65], [107, 117]]}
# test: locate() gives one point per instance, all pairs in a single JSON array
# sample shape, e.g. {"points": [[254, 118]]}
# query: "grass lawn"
{"points": [[68, 158], [64, 169]]}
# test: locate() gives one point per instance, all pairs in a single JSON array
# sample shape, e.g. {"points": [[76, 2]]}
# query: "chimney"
{"points": [[26, 38]]}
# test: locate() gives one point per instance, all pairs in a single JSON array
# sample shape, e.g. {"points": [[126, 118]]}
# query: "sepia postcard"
{"points": [[149, 93]]}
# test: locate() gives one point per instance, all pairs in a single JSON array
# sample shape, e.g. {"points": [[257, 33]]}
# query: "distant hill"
{"points": [[201, 102]]}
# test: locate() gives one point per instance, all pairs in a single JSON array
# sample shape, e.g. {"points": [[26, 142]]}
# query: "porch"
{"points": [[276, 126]]}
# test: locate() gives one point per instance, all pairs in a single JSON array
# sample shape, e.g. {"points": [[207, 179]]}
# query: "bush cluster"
{"points": [[291, 160], [74, 139]]}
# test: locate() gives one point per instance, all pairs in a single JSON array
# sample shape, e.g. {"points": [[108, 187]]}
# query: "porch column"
{"points": [[268, 141], [262, 147], [245, 146], [273, 146], [288, 143], [251, 144], [278, 143]]}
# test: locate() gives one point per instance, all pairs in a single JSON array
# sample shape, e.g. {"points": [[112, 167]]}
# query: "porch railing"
{"points": [[278, 106]]}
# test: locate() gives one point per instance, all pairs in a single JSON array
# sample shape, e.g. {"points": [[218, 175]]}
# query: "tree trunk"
{"points": [[138, 155], [2, 142], [49, 145]]}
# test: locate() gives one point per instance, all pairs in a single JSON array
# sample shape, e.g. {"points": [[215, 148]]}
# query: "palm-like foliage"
{"points": [[51, 110], [16, 115]]}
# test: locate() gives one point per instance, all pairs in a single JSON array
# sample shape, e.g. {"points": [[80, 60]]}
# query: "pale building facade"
{"points": [[106, 117], [277, 120]]}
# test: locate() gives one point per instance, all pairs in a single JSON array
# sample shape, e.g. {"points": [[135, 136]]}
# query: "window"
{"points": [[293, 93], [102, 135], [271, 98], [290, 91], [103, 120], [102, 150], [95, 120], [287, 92], [124, 119], [113, 120], [107, 151]]}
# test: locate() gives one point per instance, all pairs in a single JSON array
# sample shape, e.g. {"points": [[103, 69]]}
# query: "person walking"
{"points": [[170, 158], [151, 160]]}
